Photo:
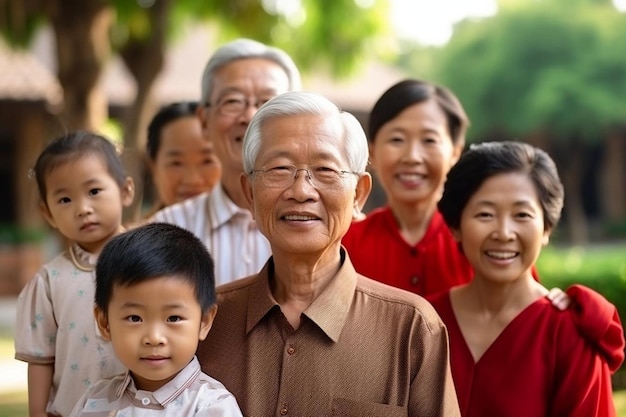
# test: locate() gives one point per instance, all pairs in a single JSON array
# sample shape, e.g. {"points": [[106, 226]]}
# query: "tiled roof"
{"points": [[30, 76], [23, 77]]}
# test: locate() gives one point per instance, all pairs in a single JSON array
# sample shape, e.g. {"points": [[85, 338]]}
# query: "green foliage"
{"points": [[602, 268], [337, 34], [19, 20], [11, 234], [551, 65]]}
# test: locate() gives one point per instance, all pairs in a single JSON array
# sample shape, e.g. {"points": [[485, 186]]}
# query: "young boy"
{"points": [[155, 299]]}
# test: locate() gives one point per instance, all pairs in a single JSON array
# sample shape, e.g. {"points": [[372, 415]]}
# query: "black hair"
{"points": [[408, 92], [482, 161], [164, 116], [152, 251], [72, 146]]}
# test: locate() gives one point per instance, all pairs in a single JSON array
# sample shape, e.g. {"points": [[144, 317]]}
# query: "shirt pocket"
{"points": [[342, 407]]}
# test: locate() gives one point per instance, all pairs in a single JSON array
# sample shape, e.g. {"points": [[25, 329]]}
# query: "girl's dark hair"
{"points": [[72, 146], [483, 161], [411, 91], [152, 251], [165, 115]]}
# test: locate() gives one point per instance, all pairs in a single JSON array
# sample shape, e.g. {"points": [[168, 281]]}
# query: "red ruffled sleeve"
{"points": [[597, 321]]}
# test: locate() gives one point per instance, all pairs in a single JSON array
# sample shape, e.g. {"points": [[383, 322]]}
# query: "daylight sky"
{"points": [[430, 22]]}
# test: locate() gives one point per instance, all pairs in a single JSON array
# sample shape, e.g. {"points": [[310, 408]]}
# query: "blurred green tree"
{"points": [[551, 73]]}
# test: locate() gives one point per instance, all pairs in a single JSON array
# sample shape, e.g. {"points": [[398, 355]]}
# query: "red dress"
{"points": [[378, 251], [539, 365]]}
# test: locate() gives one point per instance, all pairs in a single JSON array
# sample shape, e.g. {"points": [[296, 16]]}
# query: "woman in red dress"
{"points": [[511, 352]]}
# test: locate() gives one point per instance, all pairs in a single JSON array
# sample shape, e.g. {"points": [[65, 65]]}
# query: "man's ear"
{"points": [[201, 114], [207, 321], [246, 185], [362, 191], [128, 192], [102, 320], [372, 161], [45, 212]]}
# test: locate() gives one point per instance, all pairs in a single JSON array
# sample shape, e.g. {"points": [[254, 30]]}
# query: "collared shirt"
{"points": [[190, 393], [55, 326], [229, 232], [363, 349]]}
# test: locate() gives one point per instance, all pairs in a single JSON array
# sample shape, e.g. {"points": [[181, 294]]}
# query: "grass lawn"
{"points": [[13, 404]]}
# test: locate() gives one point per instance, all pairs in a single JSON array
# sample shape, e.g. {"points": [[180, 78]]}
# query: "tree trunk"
{"points": [[613, 176], [81, 29], [144, 59], [571, 176]]}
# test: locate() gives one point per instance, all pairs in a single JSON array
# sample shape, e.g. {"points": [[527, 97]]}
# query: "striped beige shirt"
{"points": [[228, 231], [189, 394], [363, 349]]}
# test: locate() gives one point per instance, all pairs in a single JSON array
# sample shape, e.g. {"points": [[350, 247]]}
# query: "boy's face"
{"points": [[155, 327]]}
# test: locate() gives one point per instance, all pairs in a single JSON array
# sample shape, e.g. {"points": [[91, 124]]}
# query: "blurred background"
{"points": [[548, 72]]}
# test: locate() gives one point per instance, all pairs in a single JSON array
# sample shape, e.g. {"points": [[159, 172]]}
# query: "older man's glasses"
{"points": [[284, 176], [235, 104]]}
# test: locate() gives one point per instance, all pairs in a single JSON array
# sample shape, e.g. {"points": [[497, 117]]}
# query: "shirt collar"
{"points": [[85, 258], [168, 392], [222, 209], [328, 311]]}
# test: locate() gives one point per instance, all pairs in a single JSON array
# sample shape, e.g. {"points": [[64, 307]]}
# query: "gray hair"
{"points": [[302, 103], [243, 49]]}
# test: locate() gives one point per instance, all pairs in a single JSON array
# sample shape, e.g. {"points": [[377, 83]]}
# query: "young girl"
{"points": [[83, 190], [511, 352]]}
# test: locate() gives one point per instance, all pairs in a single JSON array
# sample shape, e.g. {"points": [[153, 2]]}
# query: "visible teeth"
{"points": [[409, 176], [299, 217], [502, 255]]}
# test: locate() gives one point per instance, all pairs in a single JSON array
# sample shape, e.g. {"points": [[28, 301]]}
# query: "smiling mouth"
{"points": [[411, 176], [299, 217], [502, 255]]}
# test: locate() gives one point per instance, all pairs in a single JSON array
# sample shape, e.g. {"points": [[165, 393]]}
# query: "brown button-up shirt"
{"points": [[362, 349]]}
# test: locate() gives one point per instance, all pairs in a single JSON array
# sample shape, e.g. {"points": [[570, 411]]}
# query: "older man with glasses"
{"points": [[240, 77], [307, 335]]}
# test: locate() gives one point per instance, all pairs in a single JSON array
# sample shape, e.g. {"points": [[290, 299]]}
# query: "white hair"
{"points": [[244, 49], [301, 103]]}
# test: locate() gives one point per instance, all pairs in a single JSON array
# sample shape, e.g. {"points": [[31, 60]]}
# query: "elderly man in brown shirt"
{"points": [[308, 336]]}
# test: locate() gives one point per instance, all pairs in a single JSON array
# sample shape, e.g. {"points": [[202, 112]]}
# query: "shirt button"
{"points": [[283, 411], [291, 350], [415, 280], [145, 401]]}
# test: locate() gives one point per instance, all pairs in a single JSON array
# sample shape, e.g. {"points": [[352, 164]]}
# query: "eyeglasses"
{"points": [[284, 176], [235, 104]]}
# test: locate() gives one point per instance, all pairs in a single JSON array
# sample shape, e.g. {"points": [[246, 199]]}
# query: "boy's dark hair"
{"points": [[164, 116], [485, 160], [72, 146], [152, 251], [408, 92]]}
